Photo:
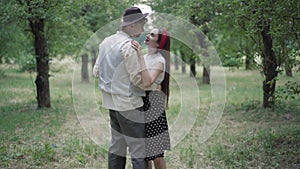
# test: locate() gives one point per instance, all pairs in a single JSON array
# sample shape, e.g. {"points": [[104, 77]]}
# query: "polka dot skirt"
{"points": [[158, 139]]}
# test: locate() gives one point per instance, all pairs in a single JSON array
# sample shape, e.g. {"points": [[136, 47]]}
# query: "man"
{"points": [[119, 77]]}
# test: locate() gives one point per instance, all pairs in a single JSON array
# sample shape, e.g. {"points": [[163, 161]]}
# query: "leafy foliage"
{"points": [[288, 92], [27, 63]]}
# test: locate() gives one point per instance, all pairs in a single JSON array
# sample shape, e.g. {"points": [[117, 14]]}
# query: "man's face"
{"points": [[138, 28]]}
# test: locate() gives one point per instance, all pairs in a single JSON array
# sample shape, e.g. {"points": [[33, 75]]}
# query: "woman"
{"points": [[155, 69]]}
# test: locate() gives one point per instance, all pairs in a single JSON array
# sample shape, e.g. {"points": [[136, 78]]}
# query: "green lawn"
{"points": [[247, 136]]}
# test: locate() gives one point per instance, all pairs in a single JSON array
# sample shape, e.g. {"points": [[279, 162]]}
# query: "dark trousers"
{"points": [[127, 130]]}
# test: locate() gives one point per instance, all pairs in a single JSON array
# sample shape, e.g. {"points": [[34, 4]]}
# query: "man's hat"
{"points": [[132, 15]]}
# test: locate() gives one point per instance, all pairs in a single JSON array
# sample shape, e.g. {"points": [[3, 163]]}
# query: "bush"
{"points": [[27, 63], [288, 92]]}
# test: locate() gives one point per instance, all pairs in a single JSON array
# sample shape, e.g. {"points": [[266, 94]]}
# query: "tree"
{"points": [[235, 48], [14, 41], [96, 15], [84, 68], [269, 65], [268, 23], [266, 29], [178, 48], [50, 23], [206, 69], [201, 13], [35, 11]]}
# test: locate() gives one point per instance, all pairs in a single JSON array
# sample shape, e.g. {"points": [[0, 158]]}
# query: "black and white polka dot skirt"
{"points": [[157, 134]]}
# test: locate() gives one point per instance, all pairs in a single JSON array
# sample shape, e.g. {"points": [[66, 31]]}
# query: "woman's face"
{"points": [[151, 39]]}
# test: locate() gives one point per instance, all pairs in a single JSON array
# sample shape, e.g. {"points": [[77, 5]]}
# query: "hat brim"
{"points": [[134, 21]]}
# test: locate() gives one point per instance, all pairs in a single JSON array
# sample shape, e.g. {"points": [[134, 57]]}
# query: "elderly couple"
{"points": [[135, 89]]}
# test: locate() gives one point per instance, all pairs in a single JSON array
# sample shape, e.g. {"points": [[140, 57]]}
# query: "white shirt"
{"points": [[151, 61]]}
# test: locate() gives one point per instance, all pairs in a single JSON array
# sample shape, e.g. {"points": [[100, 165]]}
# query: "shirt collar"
{"points": [[123, 34]]}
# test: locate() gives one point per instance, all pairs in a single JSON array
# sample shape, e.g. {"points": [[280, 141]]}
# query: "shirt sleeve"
{"points": [[132, 64], [163, 62], [160, 78]]}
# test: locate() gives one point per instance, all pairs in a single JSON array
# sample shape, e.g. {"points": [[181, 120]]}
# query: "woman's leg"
{"points": [[160, 163]]}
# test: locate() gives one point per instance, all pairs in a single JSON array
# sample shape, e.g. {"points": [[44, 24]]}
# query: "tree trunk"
{"points": [[183, 69], [206, 67], [84, 68], [205, 76], [285, 60], [204, 45], [193, 68], [288, 66], [269, 68], [183, 63], [248, 63], [249, 59], [288, 71], [94, 57], [42, 62], [176, 63]]}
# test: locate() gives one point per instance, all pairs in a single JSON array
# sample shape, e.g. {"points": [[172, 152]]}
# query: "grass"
{"points": [[247, 136]]}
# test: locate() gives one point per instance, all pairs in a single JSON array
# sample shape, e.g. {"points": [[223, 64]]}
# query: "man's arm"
{"points": [[132, 65]]}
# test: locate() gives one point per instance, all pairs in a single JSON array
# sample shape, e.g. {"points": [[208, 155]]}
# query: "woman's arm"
{"points": [[148, 77]]}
